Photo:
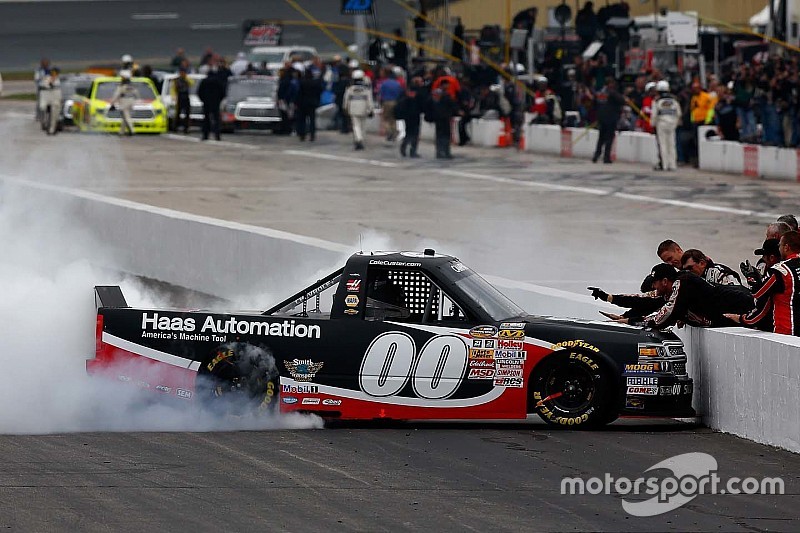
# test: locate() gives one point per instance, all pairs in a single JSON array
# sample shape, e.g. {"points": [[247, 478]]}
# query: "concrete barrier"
{"points": [[747, 383], [217, 257], [747, 159]]}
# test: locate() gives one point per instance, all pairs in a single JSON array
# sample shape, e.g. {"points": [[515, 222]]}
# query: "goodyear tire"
{"points": [[573, 389], [239, 378]]}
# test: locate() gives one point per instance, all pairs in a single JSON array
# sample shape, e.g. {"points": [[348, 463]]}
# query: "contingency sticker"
{"points": [[303, 369]]}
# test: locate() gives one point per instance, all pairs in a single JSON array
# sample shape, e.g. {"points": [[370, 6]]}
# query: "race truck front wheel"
{"points": [[239, 378], [573, 389]]}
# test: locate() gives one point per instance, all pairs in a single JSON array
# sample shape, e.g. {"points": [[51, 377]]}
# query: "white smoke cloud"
{"points": [[47, 313]]}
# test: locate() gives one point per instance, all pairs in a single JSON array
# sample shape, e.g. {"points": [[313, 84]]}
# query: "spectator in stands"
{"points": [[670, 252], [696, 261], [780, 293], [726, 116], [744, 89]]}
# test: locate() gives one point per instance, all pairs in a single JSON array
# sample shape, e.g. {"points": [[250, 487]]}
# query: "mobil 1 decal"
{"points": [[395, 364]]}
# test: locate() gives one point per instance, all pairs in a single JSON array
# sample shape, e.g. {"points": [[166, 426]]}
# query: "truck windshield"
{"points": [[251, 88], [495, 303]]}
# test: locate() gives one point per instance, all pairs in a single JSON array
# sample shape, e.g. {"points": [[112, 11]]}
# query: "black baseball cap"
{"points": [[770, 247], [663, 270]]}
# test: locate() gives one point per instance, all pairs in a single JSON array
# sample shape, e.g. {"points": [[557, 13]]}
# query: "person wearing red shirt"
{"points": [[780, 293]]}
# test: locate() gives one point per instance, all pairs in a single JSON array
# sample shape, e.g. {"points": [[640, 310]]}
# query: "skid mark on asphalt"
{"points": [[325, 467]]}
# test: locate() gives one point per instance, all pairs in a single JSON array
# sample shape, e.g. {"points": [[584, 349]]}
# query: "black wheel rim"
{"points": [[571, 388]]}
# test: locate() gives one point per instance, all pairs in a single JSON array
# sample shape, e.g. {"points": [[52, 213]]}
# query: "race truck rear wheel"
{"points": [[573, 389], [239, 378]]}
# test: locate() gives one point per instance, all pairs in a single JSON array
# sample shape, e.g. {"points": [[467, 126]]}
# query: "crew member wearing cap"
{"points": [[639, 305], [770, 255], [692, 300], [780, 293]]}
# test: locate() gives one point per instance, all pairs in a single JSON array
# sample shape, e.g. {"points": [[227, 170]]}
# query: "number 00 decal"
{"points": [[389, 363]]}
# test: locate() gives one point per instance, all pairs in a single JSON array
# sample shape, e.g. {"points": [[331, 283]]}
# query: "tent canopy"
{"points": [[762, 17]]}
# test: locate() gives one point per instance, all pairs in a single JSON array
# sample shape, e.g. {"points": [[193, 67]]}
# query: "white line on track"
{"points": [[331, 157], [624, 196], [201, 26], [154, 16], [226, 144], [512, 181]]}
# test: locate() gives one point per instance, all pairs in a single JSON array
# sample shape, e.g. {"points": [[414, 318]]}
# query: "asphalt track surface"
{"points": [[403, 476], [407, 477], [82, 32]]}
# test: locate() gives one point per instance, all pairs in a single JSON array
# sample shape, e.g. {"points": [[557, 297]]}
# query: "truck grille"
{"points": [[676, 350], [257, 112], [136, 114], [679, 368]]}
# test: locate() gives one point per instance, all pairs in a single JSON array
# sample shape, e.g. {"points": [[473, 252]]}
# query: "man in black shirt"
{"points": [[609, 107]]}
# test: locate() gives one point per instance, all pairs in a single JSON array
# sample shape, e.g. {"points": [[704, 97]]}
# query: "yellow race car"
{"points": [[91, 109]]}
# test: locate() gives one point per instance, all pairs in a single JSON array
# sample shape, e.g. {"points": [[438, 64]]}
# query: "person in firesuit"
{"points": [[50, 96], [644, 121], [780, 293], [696, 261], [124, 98], [639, 305], [609, 107], [545, 107], [692, 300], [665, 118], [358, 104]]}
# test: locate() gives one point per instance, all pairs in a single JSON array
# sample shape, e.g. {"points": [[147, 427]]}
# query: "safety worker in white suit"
{"points": [[666, 117], [124, 98], [50, 96], [358, 103]]}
